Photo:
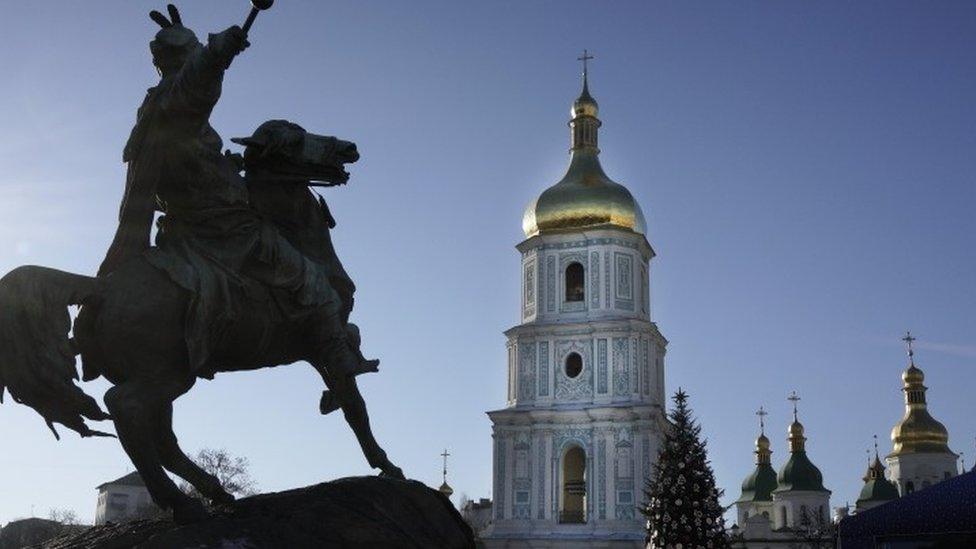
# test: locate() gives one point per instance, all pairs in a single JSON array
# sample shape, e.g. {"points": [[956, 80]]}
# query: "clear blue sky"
{"points": [[807, 170]]}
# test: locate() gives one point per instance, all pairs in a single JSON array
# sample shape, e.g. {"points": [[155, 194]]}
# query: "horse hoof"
{"points": [[392, 471], [222, 498], [189, 511]]}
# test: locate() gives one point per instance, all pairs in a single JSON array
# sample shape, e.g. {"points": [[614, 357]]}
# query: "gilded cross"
{"points": [[445, 456], [586, 57], [794, 398], [908, 339], [762, 413]]}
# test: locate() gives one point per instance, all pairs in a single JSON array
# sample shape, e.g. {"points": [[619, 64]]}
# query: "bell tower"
{"points": [[584, 411]]}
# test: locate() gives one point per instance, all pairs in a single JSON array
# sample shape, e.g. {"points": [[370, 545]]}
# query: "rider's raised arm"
{"points": [[192, 93]]}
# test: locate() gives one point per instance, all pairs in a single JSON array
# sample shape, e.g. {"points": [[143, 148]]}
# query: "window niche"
{"points": [[575, 286]]}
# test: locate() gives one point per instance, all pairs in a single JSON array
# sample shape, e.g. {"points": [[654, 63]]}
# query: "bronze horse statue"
{"points": [[131, 329]]}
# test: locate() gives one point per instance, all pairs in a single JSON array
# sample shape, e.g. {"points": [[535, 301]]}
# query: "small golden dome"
{"points": [[795, 429], [585, 105], [762, 443], [913, 375], [446, 489]]}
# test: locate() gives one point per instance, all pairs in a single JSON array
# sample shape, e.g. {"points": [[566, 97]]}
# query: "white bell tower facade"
{"points": [[584, 414]]}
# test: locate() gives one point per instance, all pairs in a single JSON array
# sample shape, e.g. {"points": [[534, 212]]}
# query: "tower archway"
{"points": [[573, 490]]}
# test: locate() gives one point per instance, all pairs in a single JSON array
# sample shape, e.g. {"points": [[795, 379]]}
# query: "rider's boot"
{"points": [[342, 357], [329, 402], [339, 349]]}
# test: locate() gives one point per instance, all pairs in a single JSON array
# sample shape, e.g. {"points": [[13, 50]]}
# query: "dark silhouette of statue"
{"points": [[243, 275]]}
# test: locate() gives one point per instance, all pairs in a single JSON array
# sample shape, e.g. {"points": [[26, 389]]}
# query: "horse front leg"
{"points": [[346, 393]]}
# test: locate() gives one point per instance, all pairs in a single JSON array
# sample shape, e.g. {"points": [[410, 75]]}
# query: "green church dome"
{"points": [[878, 490], [759, 485], [799, 473], [876, 487]]}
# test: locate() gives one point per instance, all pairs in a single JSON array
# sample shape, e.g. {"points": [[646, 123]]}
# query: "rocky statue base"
{"points": [[349, 512]]}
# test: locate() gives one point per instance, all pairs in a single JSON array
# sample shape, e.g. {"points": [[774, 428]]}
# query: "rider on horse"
{"points": [[244, 276], [211, 241]]}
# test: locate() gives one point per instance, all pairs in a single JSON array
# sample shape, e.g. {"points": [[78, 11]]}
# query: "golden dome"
{"points": [[913, 375], [585, 105], [762, 443], [918, 431], [446, 489], [585, 197], [795, 429]]}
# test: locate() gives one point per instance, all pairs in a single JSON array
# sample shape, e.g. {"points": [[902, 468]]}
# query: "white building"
{"points": [[757, 488], [585, 404], [800, 498], [788, 510], [921, 456], [477, 514], [122, 499]]}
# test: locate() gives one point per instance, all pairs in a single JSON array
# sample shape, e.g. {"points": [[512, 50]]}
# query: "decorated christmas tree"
{"points": [[681, 500]]}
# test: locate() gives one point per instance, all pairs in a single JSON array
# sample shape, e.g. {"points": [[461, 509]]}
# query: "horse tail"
{"points": [[37, 359]]}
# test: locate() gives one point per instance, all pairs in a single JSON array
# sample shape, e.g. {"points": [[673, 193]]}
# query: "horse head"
{"points": [[284, 151]]}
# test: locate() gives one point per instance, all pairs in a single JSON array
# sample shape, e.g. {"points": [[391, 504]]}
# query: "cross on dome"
{"points": [[762, 413], [586, 57], [445, 455], [794, 398], [908, 339]]}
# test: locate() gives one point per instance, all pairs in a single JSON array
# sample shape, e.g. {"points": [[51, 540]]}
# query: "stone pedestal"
{"points": [[349, 512]]}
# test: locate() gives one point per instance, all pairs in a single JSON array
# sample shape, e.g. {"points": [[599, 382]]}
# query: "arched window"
{"points": [[573, 508], [909, 487], [574, 365], [574, 282], [782, 517], [804, 516]]}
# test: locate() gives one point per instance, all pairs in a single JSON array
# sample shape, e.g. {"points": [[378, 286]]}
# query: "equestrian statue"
{"points": [[243, 275]]}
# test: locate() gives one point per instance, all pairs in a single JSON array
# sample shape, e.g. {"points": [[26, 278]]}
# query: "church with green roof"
{"points": [[773, 507]]}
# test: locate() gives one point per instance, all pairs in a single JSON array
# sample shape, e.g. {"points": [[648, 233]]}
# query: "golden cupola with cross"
{"points": [[917, 431], [920, 453], [585, 197]]}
